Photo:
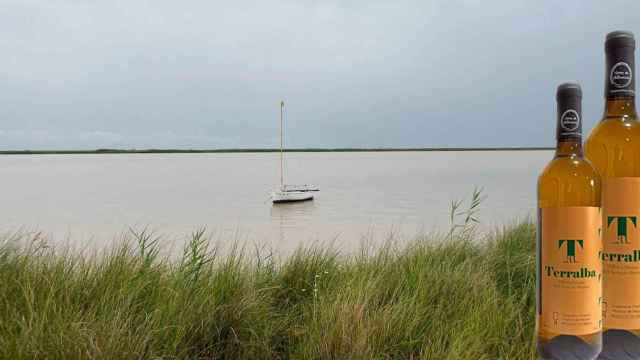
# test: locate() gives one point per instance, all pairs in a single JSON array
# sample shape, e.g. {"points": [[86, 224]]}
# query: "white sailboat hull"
{"points": [[290, 196]]}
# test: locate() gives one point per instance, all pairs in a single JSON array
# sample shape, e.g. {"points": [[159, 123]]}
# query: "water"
{"points": [[89, 200]]}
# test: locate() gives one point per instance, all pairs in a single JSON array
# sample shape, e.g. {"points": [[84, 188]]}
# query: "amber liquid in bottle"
{"points": [[614, 148], [569, 286]]}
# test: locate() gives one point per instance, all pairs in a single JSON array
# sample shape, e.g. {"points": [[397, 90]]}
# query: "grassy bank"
{"points": [[451, 297]]}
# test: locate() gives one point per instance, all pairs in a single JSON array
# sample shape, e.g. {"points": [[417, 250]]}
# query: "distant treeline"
{"points": [[196, 151]]}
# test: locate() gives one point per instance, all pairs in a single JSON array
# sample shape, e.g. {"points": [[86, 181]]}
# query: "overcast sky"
{"points": [[210, 74]]}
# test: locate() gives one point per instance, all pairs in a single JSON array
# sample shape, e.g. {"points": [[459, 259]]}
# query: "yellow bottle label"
{"points": [[570, 271], [621, 253]]}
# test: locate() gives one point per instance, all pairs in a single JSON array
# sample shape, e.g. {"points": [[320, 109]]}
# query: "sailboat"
{"points": [[290, 193]]}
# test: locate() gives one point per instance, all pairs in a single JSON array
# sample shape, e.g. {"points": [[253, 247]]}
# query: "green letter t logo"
{"points": [[622, 227], [571, 248]]}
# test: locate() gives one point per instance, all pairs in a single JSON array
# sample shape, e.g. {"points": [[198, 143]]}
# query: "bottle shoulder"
{"points": [[615, 131], [613, 146], [570, 166], [569, 181]]}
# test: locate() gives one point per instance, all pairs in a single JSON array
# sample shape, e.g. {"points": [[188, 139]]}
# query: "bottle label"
{"points": [[620, 81], [570, 126], [570, 271], [569, 115], [621, 75], [621, 253]]}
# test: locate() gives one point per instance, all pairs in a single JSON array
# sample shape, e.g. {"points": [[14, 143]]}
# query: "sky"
{"points": [[210, 74]]}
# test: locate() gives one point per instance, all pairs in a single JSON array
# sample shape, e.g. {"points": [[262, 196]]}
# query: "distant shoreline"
{"points": [[269, 150]]}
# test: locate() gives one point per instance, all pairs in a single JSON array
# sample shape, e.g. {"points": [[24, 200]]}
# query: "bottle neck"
{"points": [[569, 124], [620, 82], [621, 108], [569, 148]]}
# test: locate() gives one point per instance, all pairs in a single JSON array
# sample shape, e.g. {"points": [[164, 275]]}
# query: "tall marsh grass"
{"points": [[457, 296]]}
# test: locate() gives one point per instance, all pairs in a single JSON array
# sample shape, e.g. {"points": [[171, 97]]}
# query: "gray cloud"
{"points": [[210, 74]]}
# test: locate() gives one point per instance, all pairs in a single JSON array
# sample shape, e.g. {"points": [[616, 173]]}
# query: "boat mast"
{"points": [[281, 148]]}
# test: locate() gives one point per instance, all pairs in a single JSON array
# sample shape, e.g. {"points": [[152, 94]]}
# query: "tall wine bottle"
{"points": [[569, 273], [614, 148]]}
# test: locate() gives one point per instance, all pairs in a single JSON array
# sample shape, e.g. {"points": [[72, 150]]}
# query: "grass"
{"points": [[460, 295]]}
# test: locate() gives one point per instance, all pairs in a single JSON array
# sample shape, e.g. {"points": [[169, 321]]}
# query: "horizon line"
{"points": [[267, 150]]}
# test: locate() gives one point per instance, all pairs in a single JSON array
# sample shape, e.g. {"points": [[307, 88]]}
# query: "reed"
{"points": [[461, 295]]}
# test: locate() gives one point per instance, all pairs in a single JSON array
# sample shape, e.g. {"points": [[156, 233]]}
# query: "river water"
{"points": [[91, 200]]}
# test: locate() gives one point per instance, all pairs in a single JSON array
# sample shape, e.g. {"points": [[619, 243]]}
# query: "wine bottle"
{"points": [[569, 270], [614, 148]]}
